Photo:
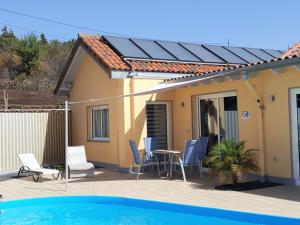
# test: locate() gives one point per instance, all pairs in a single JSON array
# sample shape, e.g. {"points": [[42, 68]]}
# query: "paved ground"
{"points": [[282, 200]]}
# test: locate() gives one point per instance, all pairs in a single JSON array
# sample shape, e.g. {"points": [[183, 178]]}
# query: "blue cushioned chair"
{"points": [[189, 156], [201, 153], [139, 162]]}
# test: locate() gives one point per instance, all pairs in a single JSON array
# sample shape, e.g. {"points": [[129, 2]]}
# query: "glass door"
{"points": [[157, 123], [208, 118], [217, 118]]}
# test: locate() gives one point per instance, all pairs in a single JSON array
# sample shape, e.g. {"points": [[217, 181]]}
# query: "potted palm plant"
{"points": [[229, 159]]}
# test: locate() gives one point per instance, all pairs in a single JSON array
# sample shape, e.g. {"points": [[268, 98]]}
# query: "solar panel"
{"points": [[153, 49], [178, 51], [259, 53], [272, 52], [225, 54], [126, 47], [202, 53], [168, 50], [243, 54]]}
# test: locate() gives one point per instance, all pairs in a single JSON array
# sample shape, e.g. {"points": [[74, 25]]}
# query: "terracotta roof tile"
{"points": [[294, 50], [295, 53], [103, 52], [153, 66]]}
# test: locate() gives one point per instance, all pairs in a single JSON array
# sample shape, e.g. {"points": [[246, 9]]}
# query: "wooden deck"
{"points": [[281, 200]]}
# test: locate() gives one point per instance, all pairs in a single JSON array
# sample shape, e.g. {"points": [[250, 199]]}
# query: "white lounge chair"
{"points": [[30, 165], [77, 162]]}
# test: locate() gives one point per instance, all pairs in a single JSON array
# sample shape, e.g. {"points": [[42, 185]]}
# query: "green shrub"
{"points": [[229, 159]]}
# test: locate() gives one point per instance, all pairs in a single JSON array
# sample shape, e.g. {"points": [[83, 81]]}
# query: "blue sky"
{"points": [[252, 23]]}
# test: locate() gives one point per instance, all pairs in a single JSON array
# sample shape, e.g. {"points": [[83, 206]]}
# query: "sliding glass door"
{"points": [[216, 117]]}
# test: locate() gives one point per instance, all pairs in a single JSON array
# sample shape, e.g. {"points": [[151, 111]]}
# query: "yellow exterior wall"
{"points": [[277, 120], [276, 115], [139, 107], [183, 115], [127, 116], [135, 108], [91, 81]]}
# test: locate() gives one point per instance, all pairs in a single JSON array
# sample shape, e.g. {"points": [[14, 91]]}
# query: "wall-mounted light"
{"points": [[272, 98], [181, 104]]}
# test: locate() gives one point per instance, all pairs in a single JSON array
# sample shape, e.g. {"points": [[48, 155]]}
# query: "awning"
{"points": [[167, 86]]}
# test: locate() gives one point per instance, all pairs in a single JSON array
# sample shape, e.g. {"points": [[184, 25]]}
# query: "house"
{"points": [[125, 89]]}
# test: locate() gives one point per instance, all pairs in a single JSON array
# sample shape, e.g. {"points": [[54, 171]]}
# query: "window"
{"points": [[99, 120]]}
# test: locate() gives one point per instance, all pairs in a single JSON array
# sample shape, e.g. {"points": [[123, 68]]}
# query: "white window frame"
{"points": [[294, 133], [197, 123], [91, 123], [209, 96]]}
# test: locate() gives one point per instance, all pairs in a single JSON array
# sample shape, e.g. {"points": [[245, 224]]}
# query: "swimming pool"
{"points": [[89, 210]]}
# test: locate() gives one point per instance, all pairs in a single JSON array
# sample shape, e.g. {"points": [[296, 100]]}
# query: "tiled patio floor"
{"points": [[281, 200]]}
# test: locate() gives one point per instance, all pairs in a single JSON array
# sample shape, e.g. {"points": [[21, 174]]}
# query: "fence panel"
{"points": [[40, 133]]}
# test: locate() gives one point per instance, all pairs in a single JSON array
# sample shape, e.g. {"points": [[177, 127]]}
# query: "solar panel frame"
{"points": [[187, 52], [154, 50], [202, 53], [259, 53], [125, 47], [242, 53], [225, 54], [178, 51], [273, 52]]}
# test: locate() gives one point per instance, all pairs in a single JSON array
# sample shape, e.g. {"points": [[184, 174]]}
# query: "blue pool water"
{"points": [[89, 210]]}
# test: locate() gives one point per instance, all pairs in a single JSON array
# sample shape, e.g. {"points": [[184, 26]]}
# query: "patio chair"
{"points": [[151, 144], [139, 162], [77, 162], [31, 166], [189, 156], [201, 153]]}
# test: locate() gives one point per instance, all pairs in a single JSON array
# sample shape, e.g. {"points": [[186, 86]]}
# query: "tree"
{"points": [[43, 39], [29, 50], [228, 159], [55, 58], [6, 33], [31, 55]]}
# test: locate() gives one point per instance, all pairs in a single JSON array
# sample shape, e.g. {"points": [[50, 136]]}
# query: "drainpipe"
{"points": [[131, 75], [132, 111], [260, 123]]}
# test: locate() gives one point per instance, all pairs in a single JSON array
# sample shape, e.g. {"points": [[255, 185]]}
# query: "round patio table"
{"points": [[171, 154]]}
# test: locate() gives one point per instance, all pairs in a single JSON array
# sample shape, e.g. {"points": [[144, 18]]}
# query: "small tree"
{"points": [[228, 159], [29, 50]]}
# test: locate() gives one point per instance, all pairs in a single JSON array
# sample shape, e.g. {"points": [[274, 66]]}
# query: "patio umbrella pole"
{"points": [[66, 145]]}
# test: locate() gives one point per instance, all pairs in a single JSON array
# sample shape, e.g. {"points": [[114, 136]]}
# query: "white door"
{"points": [[295, 128]]}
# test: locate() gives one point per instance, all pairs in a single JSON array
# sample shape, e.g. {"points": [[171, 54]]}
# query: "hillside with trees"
{"points": [[31, 63]]}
